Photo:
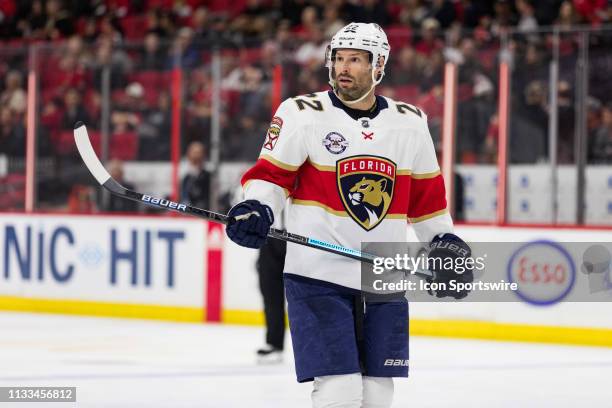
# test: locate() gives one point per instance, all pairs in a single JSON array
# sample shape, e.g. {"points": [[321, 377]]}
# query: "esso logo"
{"points": [[544, 271]]}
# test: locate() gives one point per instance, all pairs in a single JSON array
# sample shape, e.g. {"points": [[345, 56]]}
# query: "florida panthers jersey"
{"points": [[348, 179]]}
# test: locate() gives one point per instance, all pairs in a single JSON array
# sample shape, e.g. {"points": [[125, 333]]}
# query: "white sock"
{"points": [[377, 392], [337, 391]]}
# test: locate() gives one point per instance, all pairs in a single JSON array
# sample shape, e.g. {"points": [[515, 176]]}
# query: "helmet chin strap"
{"points": [[334, 86]]}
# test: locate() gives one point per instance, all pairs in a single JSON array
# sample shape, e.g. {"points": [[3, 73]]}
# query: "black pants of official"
{"points": [[270, 266]]}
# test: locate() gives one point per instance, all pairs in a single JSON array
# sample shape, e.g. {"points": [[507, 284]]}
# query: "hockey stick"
{"points": [[96, 168]]}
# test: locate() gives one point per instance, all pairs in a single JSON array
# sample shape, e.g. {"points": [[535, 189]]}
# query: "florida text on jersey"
{"points": [[350, 176]]}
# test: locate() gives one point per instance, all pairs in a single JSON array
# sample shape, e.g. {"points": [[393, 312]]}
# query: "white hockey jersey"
{"points": [[348, 179]]}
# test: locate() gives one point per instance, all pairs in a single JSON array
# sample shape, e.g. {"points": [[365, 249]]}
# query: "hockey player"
{"points": [[356, 167]]}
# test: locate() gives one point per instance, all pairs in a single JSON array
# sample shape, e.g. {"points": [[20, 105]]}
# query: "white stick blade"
{"points": [[88, 154]]}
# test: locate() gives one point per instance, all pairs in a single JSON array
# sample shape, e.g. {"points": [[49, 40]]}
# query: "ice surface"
{"points": [[134, 363]]}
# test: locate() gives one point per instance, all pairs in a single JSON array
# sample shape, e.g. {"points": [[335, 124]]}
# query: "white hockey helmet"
{"points": [[360, 36]]}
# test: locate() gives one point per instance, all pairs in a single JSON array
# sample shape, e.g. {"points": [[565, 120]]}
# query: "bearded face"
{"points": [[353, 73]]}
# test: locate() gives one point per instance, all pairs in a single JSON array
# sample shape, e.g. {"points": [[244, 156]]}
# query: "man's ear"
{"points": [[379, 66]]}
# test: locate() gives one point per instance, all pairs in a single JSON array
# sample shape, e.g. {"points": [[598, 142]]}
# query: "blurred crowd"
{"points": [[128, 49]]}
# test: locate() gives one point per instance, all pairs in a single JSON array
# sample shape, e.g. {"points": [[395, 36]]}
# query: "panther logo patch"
{"points": [[365, 184], [273, 133]]}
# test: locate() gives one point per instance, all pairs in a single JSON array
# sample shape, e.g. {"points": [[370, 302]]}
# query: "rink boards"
{"points": [[120, 266], [183, 269]]}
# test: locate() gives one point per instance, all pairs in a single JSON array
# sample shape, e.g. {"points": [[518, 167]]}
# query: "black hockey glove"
{"points": [[249, 223], [447, 254]]}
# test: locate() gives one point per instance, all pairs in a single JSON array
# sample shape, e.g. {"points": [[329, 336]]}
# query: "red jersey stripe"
{"points": [[272, 172], [427, 196], [414, 196]]}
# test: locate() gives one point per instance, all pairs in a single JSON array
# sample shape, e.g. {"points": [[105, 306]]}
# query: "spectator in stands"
{"points": [[530, 65], [69, 72], [528, 130], [407, 68], [153, 22], [116, 60], [12, 134], [254, 95], [429, 42], [310, 51], [162, 22], [432, 103], [75, 47], [118, 204], [473, 116], [452, 41], [504, 18], [152, 57], [309, 21], [567, 16], [200, 114], [167, 24], [482, 33], [413, 13], [183, 51], [129, 112], [200, 23], [311, 79], [473, 11], [594, 117], [59, 22], [110, 28], [527, 20], [433, 71], [248, 79], [253, 21], [218, 32], [92, 100], [600, 143], [51, 115], [491, 141], [332, 22], [14, 96], [116, 8], [270, 56], [251, 137], [292, 11], [135, 98], [443, 11], [567, 119], [30, 22], [285, 41], [81, 200], [469, 64], [89, 32], [195, 185], [74, 110], [154, 131]]}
